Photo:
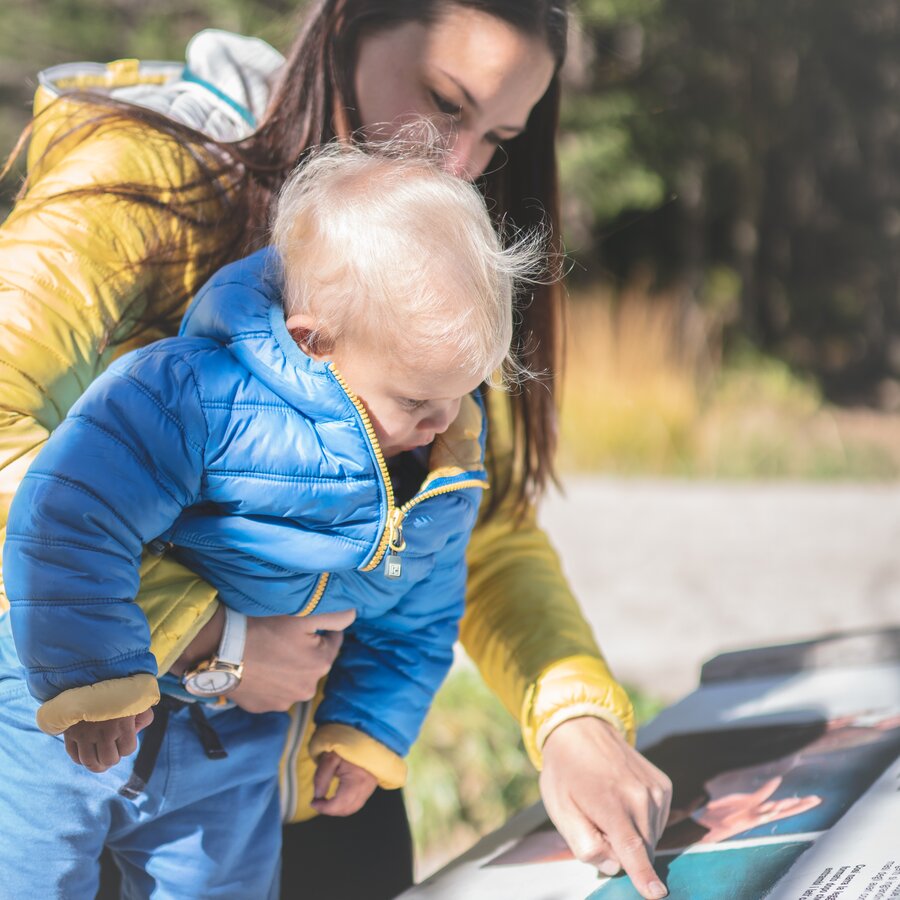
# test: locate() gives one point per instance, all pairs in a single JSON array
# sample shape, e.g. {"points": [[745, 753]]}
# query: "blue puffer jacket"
{"points": [[260, 470]]}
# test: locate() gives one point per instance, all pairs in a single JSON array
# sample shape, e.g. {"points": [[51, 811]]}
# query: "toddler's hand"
{"points": [[100, 745], [354, 788]]}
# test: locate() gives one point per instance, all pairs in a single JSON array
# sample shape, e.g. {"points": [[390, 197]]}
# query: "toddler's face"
{"points": [[409, 403]]}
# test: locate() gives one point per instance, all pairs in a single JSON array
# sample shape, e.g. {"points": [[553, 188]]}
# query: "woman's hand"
{"points": [[607, 801], [284, 657]]}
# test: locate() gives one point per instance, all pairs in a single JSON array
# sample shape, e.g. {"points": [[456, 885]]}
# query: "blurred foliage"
{"points": [[742, 155], [468, 772], [771, 136], [35, 34]]}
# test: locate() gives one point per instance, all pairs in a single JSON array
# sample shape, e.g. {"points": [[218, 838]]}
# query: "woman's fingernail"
{"points": [[657, 890], [609, 867]]}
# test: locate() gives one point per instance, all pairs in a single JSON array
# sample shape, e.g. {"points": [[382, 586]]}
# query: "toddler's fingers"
{"points": [[325, 772], [72, 750], [347, 800], [107, 754], [126, 744], [142, 720], [336, 806], [87, 756], [355, 786]]}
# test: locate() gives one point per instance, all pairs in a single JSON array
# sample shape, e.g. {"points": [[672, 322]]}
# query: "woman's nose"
{"points": [[467, 156]]}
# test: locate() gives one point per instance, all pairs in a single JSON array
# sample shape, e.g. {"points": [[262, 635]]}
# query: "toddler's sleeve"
{"points": [[111, 478]]}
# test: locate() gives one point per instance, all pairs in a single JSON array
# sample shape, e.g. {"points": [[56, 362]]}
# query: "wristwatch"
{"points": [[221, 674]]}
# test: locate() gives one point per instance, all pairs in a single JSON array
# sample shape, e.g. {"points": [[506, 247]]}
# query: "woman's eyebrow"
{"points": [[516, 129]]}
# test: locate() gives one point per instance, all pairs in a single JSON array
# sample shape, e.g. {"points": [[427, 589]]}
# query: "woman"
{"points": [[132, 200]]}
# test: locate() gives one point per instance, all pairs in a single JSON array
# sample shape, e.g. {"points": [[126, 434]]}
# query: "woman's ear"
{"points": [[303, 329]]}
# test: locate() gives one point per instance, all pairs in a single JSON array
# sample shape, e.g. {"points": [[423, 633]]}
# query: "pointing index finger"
{"points": [[636, 860]]}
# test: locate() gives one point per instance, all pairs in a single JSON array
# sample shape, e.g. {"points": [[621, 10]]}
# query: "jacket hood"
{"points": [[240, 308], [222, 88]]}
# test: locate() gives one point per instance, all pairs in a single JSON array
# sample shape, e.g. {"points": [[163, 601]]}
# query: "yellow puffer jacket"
{"points": [[70, 276]]}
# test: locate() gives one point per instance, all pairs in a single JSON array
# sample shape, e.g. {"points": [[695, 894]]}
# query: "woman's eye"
{"points": [[446, 106]]}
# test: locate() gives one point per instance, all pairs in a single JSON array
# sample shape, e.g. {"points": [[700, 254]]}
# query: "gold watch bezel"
{"points": [[214, 665]]}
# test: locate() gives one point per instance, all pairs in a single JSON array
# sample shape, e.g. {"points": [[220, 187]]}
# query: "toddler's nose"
{"points": [[440, 417]]}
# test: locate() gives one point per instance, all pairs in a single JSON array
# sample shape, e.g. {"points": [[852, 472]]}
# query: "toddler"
{"points": [[312, 442]]}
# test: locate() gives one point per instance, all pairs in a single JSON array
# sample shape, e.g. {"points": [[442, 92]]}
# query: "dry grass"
{"points": [[645, 393], [630, 398]]}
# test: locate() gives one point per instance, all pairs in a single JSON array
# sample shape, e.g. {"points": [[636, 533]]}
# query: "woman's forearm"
{"points": [[525, 632], [204, 644], [523, 626]]}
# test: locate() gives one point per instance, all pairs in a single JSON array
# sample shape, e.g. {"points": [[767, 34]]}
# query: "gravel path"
{"points": [[671, 573]]}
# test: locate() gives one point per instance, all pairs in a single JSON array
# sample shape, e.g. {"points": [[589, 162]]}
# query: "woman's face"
{"points": [[475, 76]]}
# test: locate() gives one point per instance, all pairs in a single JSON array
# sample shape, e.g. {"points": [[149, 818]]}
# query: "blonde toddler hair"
{"points": [[380, 243]]}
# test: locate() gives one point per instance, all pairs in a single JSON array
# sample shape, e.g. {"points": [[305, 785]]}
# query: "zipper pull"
{"points": [[159, 547], [393, 568]]}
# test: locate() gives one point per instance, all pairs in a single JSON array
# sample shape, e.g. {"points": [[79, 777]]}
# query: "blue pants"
{"points": [[203, 828]]}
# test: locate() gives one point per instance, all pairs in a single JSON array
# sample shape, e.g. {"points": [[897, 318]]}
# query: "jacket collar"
{"points": [[240, 307]]}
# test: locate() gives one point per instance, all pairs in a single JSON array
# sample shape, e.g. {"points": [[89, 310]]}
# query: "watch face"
{"points": [[211, 683]]}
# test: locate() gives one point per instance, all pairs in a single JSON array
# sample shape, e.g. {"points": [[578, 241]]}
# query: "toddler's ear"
{"points": [[303, 330]]}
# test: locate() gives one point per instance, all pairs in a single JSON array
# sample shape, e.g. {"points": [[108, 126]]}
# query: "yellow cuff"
{"points": [[362, 751], [98, 702], [568, 689]]}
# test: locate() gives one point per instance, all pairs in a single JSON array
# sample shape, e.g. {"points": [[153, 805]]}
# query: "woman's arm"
{"points": [[524, 630], [523, 627]]}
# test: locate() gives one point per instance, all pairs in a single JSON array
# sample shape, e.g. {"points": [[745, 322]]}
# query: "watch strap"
{"points": [[234, 637]]}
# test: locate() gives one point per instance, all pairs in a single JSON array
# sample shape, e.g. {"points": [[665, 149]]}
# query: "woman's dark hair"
{"points": [[313, 102]]}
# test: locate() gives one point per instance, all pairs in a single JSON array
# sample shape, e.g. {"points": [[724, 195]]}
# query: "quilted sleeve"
{"points": [[73, 281], [525, 632], [389, 669], [114, 475]]}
